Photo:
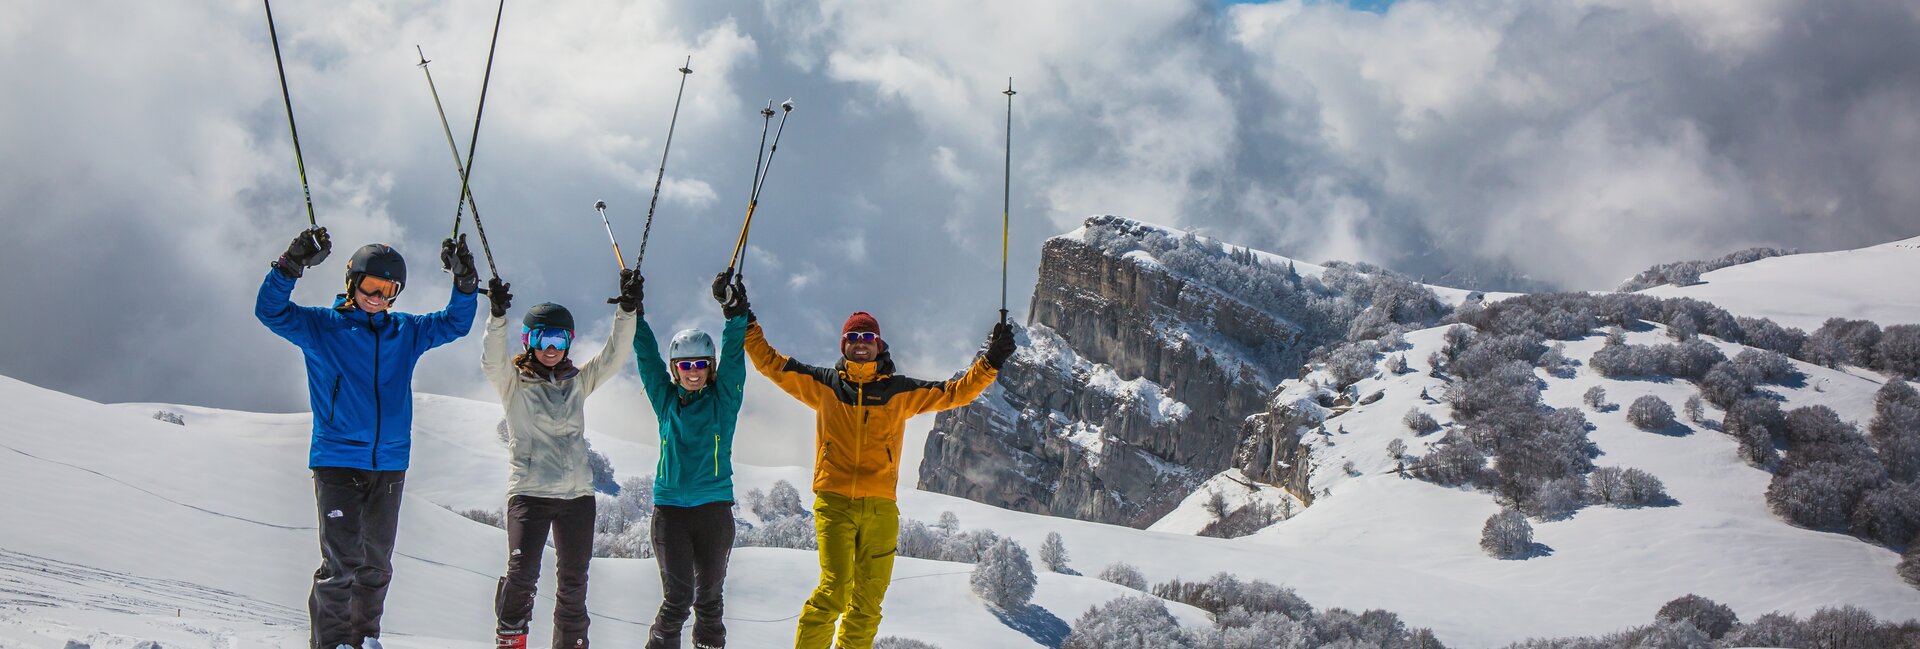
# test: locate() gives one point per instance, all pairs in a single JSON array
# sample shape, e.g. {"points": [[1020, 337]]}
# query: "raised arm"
{"points": [[274, 306], [449, 324], [653, 368], [612, 357], [962, 391], [733, 360], [793, 377]]}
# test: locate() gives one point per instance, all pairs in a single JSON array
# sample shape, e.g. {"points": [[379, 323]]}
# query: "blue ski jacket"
{"points": [[360, 371], [696, 428]]}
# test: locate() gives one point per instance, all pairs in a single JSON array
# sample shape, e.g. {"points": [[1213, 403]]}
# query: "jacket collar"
{"points": [[879, 368], [351, 312]]}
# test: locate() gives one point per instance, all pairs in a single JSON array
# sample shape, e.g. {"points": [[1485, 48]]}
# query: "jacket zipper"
{"points": [[859, 438], [333, 400], [374, 453], [716, 456]]}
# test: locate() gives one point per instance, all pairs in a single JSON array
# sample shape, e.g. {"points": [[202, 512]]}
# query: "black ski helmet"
{"points": [[379, 260], [547, 315]]}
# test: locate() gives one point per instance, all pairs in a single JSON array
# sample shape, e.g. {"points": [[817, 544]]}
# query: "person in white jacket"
{"points": [[550, 486]]}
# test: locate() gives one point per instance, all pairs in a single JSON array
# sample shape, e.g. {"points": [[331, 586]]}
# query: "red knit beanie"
{"points": [[860, 321]]}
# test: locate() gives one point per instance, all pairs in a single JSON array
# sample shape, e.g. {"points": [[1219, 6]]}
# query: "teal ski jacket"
{"points": [[696, 427]]}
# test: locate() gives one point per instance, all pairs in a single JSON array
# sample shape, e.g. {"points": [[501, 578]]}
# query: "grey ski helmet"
{"points": [[547, 315], [379, 260], [691, 343]]}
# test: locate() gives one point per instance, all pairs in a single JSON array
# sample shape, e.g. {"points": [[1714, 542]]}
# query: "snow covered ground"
{"points": [[1874, 283]]}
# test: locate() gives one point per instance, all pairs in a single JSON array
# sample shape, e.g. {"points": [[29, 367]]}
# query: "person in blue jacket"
{"points": [[360, 357], [696, 398]]}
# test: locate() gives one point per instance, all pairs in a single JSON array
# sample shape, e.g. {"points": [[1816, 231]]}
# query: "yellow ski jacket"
{"points": [[861, 412]]}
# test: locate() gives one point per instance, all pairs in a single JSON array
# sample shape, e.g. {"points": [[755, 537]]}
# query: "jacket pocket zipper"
{"points": [[333, 399], [716, 456]]}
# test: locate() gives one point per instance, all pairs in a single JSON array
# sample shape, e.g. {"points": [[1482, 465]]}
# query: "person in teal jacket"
{"points": [[696, 397]]}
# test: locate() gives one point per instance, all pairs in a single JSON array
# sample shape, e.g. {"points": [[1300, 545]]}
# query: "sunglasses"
{"points": [[384, 288], [700, 364], [861, 336], [543, 338]]}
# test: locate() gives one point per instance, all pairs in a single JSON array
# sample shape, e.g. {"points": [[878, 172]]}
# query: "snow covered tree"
{"points": [[1396, 448], [783, 500], [502, 431], [1420, 422], [1847, 626], [1397, 364], [1216, 504], [1004, 577], [1124, 574], [1625, 488], [170, 417], [1898, 351], [1595, 398], [1820, 496], [969, 546], [1507, 535], [1650, 413], [1557, 499], [896, 642], [1888, 514], [492, 517], [1695, 412], [1895, 430], [1770, 630], [1053, 553], [1710, 617], [1128, 623], [1683, 327], [949, 523]]}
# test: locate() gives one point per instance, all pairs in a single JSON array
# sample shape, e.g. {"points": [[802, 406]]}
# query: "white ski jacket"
{"points": [[546, 418]]}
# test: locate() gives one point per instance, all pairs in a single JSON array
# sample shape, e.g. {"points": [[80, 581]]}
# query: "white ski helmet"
{"points": [[690, 343]]}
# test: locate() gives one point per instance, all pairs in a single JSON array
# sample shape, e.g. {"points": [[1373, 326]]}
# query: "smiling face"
{"points": [[549, 357], [690, 378], [371, 302]]}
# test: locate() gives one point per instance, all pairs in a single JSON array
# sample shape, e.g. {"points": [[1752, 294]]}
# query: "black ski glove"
{"points": [[631, 291], [1000, 345], [308, 249], [731, 296], [498, 295], [457, 259]]}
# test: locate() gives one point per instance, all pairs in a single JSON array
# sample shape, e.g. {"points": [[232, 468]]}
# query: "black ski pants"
{"points": [[529, 518], [359, 518], [692, 545]]}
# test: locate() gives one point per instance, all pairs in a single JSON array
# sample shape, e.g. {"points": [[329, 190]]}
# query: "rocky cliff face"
{"points": [[1134, 382]]}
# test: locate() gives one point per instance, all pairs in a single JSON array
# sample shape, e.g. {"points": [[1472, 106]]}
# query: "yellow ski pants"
{"points": [[857, 540]]}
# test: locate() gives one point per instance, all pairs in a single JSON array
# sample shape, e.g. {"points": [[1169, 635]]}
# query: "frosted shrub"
{"points": [[1625, 488], [1420, 422], [1124, 574], [1004, 577], [1128, 623], [170, 417], [895, 642], [1650, 413], [1711, 618], [1053, 553], [1507, 535], [1595, 398], [491, 517], [1695, 412]]}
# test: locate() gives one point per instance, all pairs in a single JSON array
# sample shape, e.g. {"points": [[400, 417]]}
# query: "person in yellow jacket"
{"points": [[862, 408]]}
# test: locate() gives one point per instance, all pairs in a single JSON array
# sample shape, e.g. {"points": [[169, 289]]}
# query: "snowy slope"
{"points": [[1874, 283], [131, 521], [119, 523], [1609, 568]]}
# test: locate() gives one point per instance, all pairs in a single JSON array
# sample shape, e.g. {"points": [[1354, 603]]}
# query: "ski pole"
{"points": [[1006, 200], [647, 230], [786, 108], [753, 199], [288, 98], [451, 146], [473, 142], [601, 207]]}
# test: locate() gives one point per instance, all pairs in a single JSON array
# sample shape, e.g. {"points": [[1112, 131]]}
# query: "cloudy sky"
{"points": [[148, 176]]}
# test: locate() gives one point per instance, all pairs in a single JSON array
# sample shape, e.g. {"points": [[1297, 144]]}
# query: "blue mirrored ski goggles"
{"points": [[546, 338]]}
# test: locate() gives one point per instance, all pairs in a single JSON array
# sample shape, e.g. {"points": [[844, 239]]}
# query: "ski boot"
{"points": [[513, 641]]}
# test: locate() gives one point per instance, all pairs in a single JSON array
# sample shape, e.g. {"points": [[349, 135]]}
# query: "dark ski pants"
{"points": [[359, 517], [529, 518], [692, 545]]}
